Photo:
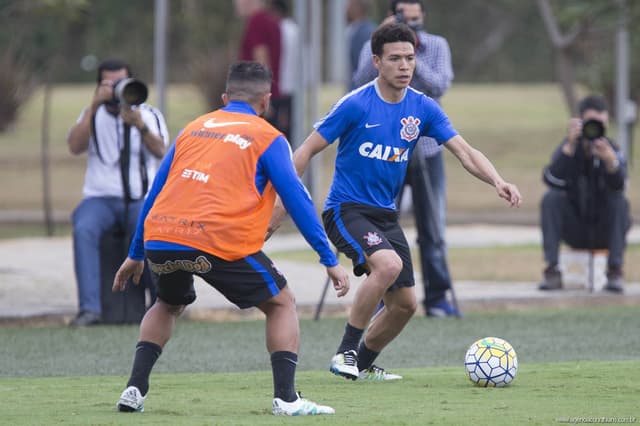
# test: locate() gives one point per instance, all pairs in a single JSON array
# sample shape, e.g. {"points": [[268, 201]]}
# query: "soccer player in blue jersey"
{"points": [[378, 126]]}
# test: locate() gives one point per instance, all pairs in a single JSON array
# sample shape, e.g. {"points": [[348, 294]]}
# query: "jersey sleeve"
{"points": [[439, 127], [278, 166], [338, 120], [136, 249]]}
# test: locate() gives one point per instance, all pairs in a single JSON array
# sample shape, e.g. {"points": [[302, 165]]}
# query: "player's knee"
{"points": [[404, 308], [389, 266], [409, 308], [283, 300]]}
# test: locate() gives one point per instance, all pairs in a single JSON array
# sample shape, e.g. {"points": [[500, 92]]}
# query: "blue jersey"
{"points": [[376, 142]]}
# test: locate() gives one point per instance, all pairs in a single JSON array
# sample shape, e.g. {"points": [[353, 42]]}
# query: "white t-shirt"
{"points": [[288, 55], [103, 177]]}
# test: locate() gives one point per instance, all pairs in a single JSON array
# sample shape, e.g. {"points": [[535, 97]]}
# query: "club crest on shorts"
{"points": [[410, 130], [373, 239]]}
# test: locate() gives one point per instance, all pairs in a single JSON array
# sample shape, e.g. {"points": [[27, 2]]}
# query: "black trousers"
{"points": [[561, 223]]}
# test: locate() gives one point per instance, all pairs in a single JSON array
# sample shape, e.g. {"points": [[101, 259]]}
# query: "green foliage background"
{"points": [[52, 36]]}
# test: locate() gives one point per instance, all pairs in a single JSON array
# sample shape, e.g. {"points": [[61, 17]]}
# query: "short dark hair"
{"points": [[248, 81], [595, 102], [390, 33], [394, 4], [112, 65]]}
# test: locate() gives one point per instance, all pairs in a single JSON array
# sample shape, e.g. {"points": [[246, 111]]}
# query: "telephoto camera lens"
{"points": [[130, 91], [592, 129]]}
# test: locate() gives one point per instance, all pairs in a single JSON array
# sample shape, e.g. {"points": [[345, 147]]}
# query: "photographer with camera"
{"points": [[426, 174], [125, 140], [585, 205]]}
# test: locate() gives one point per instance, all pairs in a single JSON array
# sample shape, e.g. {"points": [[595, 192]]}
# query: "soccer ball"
{"points": [[491, 362]]}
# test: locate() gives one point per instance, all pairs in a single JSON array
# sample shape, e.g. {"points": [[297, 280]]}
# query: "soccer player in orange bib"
{"points": [[207, 214]]}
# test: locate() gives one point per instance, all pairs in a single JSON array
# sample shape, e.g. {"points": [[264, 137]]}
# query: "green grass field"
{"points": [[575, 363], [542, 394]]}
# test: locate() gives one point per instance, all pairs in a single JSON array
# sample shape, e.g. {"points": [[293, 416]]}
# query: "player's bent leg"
{"points": [[282, 329], [158, 323], [155, 331], [385, 266], [400, 305], [283, 341]]}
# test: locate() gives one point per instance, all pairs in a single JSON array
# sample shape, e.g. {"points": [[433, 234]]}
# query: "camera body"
{"points": [[400, 18], [129, 91], [593, 129]]}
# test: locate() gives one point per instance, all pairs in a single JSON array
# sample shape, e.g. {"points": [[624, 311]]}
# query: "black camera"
{"points": [[129, 91], [400, 18], [593, 129]]}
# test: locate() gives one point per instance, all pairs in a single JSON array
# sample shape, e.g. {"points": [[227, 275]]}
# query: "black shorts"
{"points": [[246, 282], [356, 230]]}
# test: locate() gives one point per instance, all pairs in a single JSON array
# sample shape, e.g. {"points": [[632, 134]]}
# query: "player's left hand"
{"points": [[129, 268], [509, 192], [340, 279]]}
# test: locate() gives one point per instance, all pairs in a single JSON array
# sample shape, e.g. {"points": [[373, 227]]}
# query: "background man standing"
{"points": [[262, 42]]}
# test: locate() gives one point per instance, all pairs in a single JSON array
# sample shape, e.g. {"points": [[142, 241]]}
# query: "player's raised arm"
{"points": [[476, 163], [310, 147]]}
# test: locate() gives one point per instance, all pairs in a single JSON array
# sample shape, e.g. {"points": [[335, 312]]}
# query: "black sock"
{"points": [[350, 339], [147, 354], [283, 366], [366, 357]]}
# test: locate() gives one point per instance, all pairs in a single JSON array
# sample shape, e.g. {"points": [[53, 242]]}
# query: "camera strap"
{"points": [[95, 138], [125, 158]]}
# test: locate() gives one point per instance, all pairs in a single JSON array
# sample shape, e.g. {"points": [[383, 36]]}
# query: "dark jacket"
{"points": [[585, 179]]}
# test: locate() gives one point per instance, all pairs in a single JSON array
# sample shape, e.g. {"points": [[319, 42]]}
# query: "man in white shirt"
{"points": [[124, 145]]}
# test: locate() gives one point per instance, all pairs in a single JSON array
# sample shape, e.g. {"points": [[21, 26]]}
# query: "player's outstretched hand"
{"points": [[509, 192], [340, 279], [129, 268]]}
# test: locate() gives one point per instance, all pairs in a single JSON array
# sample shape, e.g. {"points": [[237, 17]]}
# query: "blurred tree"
{"points": [[494, 40], [207, 32], [31, 46], [583, 35]]}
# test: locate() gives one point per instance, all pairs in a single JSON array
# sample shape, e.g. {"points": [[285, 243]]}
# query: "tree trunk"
{"points": [[566, 78]]}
